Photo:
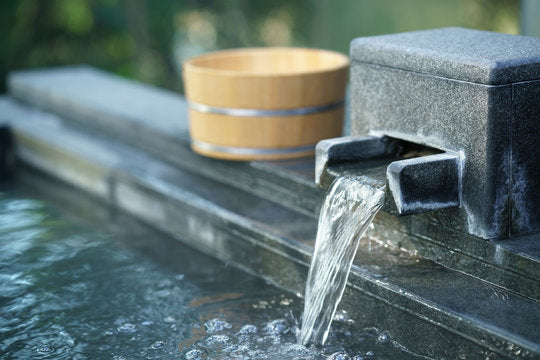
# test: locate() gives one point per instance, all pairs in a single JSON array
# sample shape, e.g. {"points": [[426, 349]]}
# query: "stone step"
{"points": [[155, 121], [426, 307]]}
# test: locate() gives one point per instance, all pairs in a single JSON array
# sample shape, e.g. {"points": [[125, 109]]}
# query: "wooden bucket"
{"points": [[264, 103]]}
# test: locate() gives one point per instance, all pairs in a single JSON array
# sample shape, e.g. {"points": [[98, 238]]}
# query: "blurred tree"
{"points": [[148, 40]]}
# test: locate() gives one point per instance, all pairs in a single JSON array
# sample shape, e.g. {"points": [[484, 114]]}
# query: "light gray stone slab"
{"points": [[155, 120], [86, 93]]}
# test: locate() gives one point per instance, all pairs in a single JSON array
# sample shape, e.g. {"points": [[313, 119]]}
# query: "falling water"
{"points": [[347, 211]]}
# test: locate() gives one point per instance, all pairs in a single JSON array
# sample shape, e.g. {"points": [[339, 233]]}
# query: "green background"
{"points": [[148, 40]]}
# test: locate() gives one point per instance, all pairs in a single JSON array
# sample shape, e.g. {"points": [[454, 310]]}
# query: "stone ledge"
{"points": [[155, 120]]}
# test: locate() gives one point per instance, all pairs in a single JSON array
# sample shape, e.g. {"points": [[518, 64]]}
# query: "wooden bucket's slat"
{"points": [[265, 79]]}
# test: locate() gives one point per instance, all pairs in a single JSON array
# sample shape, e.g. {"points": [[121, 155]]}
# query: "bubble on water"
{"points": [[217, 339], [147, 323], [161, 293], [341, 316], [279, 326], [127, 328], [248, 329], [339, 356], [216, 325], [294, 348], [194, 354], [370, 354], [286, 302], [295, 330], [164, 283], [237, 349], [383, 338], [262, 305], [170, 319], [45, 349], [108, 332], [243, 338], [157, 345], [231, 349], [270, 339]]}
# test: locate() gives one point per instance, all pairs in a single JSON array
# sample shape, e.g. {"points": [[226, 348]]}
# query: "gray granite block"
{"points": [[331, 151], [425, 183], [467, 92], [462, 54], [525, 158]]}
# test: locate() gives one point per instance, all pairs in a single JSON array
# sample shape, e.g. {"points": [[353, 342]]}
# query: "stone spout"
{"points": [[416, 180]]}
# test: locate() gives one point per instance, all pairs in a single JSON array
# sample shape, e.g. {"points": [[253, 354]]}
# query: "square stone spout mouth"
{"points": [[473, 98], [414, 184]]}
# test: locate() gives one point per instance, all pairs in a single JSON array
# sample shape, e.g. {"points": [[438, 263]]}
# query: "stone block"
{"points": [[425, 183], [468, 92]]}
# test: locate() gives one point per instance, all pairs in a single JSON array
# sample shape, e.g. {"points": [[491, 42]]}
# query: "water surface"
{"points": [[71, 288]]}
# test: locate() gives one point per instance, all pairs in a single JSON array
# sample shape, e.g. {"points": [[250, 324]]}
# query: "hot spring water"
{"points": [[347, 211], [68, 291]]}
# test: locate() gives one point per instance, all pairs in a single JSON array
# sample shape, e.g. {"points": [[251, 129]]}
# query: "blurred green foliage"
{"points": [[147, 40]]}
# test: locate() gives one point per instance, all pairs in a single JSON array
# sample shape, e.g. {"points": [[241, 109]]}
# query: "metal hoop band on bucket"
{"points": [[244, 151], [262, 112]]}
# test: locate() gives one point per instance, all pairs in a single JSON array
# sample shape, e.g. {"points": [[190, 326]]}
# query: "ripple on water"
{"points": [[275, 327], [67, 277], [157, 345], [45, 349], [127, 328], [216, 325], [248, 329], [194, 354], [170, 320], [217, 339]]}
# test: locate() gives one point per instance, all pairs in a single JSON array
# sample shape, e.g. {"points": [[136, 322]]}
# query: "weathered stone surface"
{"points": [[346, 149], [462, 54], [525, 158], [425, 183], [415, 185], [455, 90]]}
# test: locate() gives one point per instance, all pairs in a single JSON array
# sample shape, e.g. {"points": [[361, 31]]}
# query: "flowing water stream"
{"points": [[348, 210]]}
